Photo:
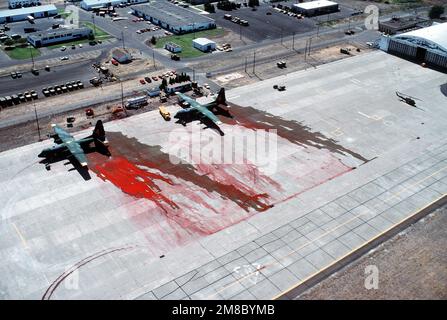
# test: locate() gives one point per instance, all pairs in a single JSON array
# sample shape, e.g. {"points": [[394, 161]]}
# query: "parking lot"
{"points": [[55, 76], [264, 23]]}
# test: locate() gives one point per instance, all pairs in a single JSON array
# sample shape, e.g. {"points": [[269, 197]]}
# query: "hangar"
{"points": [[23, 13], [173, 18], [426, 45]]}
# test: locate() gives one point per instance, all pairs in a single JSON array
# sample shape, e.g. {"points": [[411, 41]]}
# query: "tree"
{"points": [[253, 3], [9, 42], [154, 40], [209, 8], [436, 12], [163, 84]]}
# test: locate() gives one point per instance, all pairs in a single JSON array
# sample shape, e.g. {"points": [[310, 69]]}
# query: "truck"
{"points": [[164, 113], [137, 102], [95, 81]]}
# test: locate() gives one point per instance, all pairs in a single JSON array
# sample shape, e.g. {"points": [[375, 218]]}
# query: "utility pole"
{"points": [[293, 41], [122, 97], [122, 38], [94, 25], [37, 121], [240, 32], [153, 59], [32, 56], [310, 43], [245, 64], [193, 75], [254, 61], [281, 35]]}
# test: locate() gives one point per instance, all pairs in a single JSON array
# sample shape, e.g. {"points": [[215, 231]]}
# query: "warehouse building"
{"points": [[62, 35], [427, 45], [13, 15], [315, 8], [397, 24], [95, 4], [173, 18], [13, 4], [204, 44]]}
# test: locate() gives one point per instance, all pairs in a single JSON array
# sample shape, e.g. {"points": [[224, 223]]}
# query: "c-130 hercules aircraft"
{"points": [[65, 143]]}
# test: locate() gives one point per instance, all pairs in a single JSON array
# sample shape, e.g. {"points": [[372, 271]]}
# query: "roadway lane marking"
{"points": [[357, 248], [20, 235], [327, 233]]}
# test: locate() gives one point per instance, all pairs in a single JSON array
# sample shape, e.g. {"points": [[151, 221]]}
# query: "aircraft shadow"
{"points": [[83, 171], [188, 117]]}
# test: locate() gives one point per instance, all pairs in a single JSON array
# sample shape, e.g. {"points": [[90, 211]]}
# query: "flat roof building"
{"points": [[121, 55], [42, 39], [92, 4], [13, 15], [426, 45], [204, 44], [315, 8], [173, 18], [22, 3], [398, 24]]}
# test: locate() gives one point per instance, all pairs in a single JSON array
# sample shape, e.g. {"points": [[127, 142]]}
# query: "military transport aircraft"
{"points": [[65, 143], [204, 111]]}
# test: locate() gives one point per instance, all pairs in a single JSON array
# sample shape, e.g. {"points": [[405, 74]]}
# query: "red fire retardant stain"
{"points": [[134, 181], [290, 130], [189, 202]]}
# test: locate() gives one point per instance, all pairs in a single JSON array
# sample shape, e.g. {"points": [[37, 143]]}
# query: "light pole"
{"points": [[254, 61], [37, 121], [32, 56], [122, 38], [94, 25]]}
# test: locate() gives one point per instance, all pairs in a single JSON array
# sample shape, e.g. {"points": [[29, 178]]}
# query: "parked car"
{"points": [[64, 58], [148, 80], [63, 48], [142, 81]]}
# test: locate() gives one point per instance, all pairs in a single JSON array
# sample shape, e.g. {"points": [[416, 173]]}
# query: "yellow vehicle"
{"points": [[164, 113]]}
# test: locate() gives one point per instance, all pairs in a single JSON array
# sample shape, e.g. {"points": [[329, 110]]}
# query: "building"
{"points": [[13, 4], [397, 25], [426, 45], [204, 44], [172, 47], [173, 18], [46, 38], [121, 55], [12, 15], [195, 2], [94, 4], [315, 8]]}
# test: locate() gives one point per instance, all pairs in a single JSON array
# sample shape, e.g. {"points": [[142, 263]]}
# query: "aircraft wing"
{"points": [[76, 150], [62, 134], [207, 113], [190, 100]]}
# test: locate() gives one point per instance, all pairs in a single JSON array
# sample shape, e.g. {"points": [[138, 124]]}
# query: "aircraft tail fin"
{"points": [[99, 132], [221, 97]]}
